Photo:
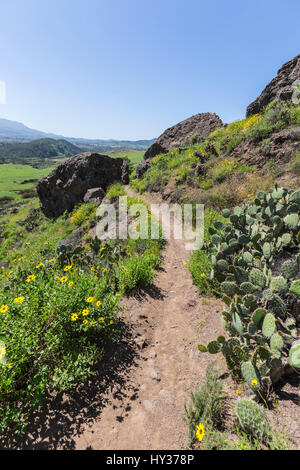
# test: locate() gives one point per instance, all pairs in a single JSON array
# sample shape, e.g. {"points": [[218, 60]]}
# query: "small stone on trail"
{"points": [[153, 374]]}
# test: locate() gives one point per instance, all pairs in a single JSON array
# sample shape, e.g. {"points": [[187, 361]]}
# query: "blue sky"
{"points": [[131, 68]]}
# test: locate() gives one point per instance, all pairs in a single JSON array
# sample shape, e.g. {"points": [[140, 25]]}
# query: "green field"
{"points": [[135, 156], [15, 180]]}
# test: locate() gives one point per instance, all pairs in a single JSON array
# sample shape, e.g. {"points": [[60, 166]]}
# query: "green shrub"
{"points": [[115, 191], [276, 116], [137, 272], [200, 265], [83, 213], [207, 406]]}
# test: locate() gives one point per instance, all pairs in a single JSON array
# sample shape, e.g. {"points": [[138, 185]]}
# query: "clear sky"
{"points": [[128, 69]]}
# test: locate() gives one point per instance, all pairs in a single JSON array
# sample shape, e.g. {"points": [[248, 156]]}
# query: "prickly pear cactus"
{"points": [[257, 278], [260, 291], [289, 269], [229, 288], [252, 419], [278, 284], [214, 347], [295, 288]]}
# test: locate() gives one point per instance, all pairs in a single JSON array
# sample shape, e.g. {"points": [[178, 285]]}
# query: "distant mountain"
{"points": [[40, 149], [12, 131]]}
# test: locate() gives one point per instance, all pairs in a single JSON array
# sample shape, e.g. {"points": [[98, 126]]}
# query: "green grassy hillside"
{"points": [[232, 163], [17, 182], [36, 151]]}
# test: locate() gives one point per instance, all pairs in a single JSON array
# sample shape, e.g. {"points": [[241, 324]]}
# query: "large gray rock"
{"points": [[69, 183], [94, 195], [200, 124], [280, 88]]}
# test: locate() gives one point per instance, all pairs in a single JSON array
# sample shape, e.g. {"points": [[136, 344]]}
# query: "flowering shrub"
{"points": [[53, 325], [59, 307]]}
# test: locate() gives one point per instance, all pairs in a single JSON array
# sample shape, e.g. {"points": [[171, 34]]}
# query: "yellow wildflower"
{"points": [[99, 303], [19, 300], [200, 432], [238, 392], [85, 312], [101, 320], [93, 323], [254, 383], [90, 299], [4, 308], [64, 279], [74, 317], [71, 283], [67, 268], [30, 278]]}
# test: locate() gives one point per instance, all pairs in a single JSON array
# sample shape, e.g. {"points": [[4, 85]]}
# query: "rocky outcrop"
{"points": [[82, 177], [142, 168], [281, 87], [200, 124], [280, 148]]}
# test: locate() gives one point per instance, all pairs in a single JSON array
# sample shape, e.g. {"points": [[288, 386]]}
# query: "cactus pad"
{"points": [[289, 269], [251, 375], [252, 419], [294, 356], [269, 325], [257, 278]]}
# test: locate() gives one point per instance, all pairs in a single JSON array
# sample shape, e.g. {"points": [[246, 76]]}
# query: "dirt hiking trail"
{"points": [[168, 367]]}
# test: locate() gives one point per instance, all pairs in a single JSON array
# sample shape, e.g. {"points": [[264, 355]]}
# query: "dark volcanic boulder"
{"points": [[200, 124], [280, 88], [69, 183], [142, 168]]}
